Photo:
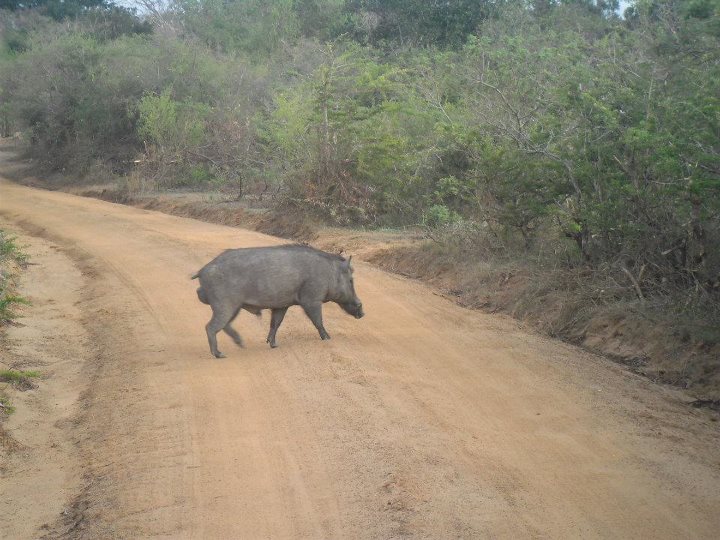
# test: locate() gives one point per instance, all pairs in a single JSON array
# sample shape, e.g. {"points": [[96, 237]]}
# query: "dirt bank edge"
{"points": [[43, 473]]}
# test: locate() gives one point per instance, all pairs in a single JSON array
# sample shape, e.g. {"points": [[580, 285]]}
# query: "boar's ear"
{"points": [[346, 263]]}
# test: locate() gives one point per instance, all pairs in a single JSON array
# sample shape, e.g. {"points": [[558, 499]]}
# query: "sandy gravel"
{"points": [[422, 420]]}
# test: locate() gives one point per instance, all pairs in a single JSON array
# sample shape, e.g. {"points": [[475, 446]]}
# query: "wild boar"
{"points": [[274, 278]]}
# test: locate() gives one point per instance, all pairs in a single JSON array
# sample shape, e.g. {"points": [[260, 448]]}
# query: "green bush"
{"points": [[10, 252], [549, 123], [439, 215]]}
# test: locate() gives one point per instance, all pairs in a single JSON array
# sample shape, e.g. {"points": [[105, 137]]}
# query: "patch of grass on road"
{"points": [[19, 379]]}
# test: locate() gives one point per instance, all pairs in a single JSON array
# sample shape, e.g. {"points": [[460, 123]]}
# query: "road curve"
{"points": [[422, 420]]}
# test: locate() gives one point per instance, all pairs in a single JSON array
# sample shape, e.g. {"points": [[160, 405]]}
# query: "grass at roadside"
{"points": [[10, 249], [7, 301], [5, 407], [12, 260]]}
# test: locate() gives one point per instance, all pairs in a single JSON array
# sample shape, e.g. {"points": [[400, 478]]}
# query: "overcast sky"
{"points": [[624, 4]]}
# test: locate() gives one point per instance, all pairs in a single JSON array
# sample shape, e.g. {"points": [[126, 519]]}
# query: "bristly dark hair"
{"points": [[307, 247]]}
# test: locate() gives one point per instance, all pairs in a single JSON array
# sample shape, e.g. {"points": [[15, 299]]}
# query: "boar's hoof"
{"points": [[220, 355]]}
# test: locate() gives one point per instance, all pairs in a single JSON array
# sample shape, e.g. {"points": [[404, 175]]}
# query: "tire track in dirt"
{"points": [[422, 420]]}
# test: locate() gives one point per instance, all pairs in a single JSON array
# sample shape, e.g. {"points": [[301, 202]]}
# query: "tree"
{"points": [[56, 9], [423, 22]]}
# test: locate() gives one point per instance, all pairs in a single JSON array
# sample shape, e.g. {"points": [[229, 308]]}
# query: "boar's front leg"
{"points": [[314, 313], [275, 321]]}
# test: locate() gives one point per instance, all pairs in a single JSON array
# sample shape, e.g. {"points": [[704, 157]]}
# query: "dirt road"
{"points": [[423, 419]]}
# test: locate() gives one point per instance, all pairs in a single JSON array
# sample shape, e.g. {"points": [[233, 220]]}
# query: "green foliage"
{"points": [[439, 215], [7, 301], [254, 26], [66, 91], [10, 252], [419, 21], [171, 124], [16, 376], [5, 406], [113, 22], [543, 121], [56, 9], [9, 249], [347, 137]]}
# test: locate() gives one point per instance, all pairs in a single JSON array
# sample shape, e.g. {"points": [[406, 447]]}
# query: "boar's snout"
{"points": [[354, 308]]}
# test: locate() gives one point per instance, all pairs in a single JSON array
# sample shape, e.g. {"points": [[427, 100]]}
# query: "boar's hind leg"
{"points": [[275, 321], [222, 314], [230, 331], [314, 312]]}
